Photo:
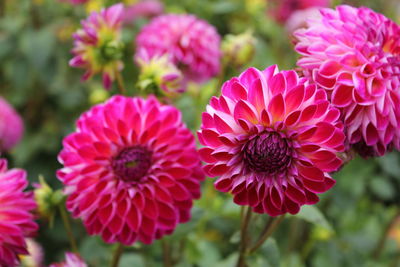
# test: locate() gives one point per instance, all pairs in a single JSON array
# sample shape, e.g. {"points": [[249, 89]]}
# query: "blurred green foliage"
{"points": [[344, 229]]}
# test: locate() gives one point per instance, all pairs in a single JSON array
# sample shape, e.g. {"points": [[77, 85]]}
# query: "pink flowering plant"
{"points": [[199, 133]]}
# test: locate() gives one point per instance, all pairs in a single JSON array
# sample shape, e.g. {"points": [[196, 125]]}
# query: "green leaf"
{"points": [[313, 215], [390, 164], [382, 187], [270, 252], [131, 259], [183, 229], [229, 261]]}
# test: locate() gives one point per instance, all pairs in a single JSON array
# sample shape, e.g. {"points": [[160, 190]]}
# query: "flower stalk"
{"points": [[117, 255], [68, 228], [269, 228], [244, 238]]}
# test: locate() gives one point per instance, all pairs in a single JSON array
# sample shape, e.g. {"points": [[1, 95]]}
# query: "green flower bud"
{"points": [[238, 50]]}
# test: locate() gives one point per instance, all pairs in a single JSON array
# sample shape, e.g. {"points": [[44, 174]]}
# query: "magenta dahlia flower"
{"points": [[131, 170], [98, 46], [192, 43], [71, 260], [354, 54], [11, 126], [16, 219], [272, 138], [284, 9]]}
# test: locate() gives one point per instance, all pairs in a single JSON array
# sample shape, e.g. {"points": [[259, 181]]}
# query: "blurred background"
{"points": [[357, 223]]}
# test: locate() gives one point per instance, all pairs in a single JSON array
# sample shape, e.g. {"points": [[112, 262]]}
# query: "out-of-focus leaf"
{"points": [[230, 261], [95, 252], [38, 46], [390, 163], [5, 46], [130, 260], [183, 229], [235, 238], [313, 215], [292, 260], [224, 7], [382, 187], [270, 252]]}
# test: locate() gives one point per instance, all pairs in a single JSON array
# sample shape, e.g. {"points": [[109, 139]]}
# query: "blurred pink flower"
{"points": [[144, 8], [284, 9], [16, 219], [158, 72], [299, 18], [271, 138], [11, 126], [98, 46], [354, 54], [192, 43], [131, 170], [35, 257], [71, 260]]}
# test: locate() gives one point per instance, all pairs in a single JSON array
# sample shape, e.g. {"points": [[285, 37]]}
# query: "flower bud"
{"points": [[47, 200], [238, 49], [158, 73]]}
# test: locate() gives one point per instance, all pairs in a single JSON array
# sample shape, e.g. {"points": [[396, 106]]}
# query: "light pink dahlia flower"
{"points": [[131, 170], [272, 139], [16, 219], [71, 260], [143, 8], [284, 9], [11, 126], [98, 46], [354, 53], [36, 255], [192, 43]]}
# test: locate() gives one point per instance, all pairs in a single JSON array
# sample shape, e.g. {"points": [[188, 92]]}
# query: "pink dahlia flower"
{"points": [[285, 8], [272, 139], [354, 54], [299, 18], [192, 43], [16, 219], [158, 72], [144, 8], [131, 170], [98, 46], [11, 126], [71, 260]]}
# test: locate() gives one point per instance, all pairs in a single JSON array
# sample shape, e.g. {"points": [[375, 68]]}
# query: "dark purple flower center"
{"points": [[132, 163], [267, 153]]}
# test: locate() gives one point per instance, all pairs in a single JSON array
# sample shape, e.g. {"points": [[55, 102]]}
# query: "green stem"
{"points": [[117, 255], [68, 228], [244, 238], [266, 233], [381, 243], [166, 254], [120, 83]]}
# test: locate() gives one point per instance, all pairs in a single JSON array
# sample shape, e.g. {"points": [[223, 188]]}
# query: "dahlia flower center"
{"points": [[111, 50], [132, 163], [267, 153]]}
